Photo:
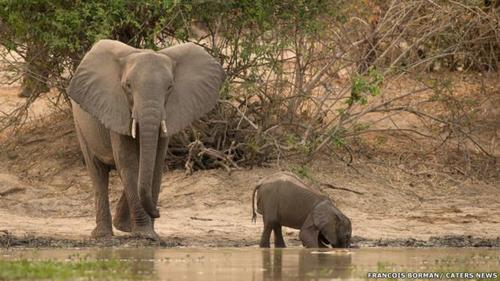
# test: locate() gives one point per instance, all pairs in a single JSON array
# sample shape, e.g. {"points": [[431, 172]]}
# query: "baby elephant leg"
{"points": [[266, 236], [271, 226], [278, 237]]}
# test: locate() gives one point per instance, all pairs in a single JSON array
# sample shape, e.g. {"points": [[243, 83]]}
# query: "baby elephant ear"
{"points": [[96, 85], [321, 214], [309, 233], [197, 81]]}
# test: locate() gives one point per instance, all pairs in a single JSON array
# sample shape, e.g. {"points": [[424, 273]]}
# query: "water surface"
{"points": [[264, 264]]}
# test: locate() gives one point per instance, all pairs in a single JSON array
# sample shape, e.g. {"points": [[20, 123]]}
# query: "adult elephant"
{"points": [[127, 102]]}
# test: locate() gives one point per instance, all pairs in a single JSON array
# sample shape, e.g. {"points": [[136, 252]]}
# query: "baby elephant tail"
{"points": [[254, 214]]}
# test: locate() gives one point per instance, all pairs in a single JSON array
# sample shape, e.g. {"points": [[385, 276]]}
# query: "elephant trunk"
{"points": [[345, 232], [149, 125], [338, 233], [330, 234]]}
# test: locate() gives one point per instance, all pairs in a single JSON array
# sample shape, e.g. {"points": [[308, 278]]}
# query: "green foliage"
{"points": [[365, 84], [292, 139], [337, 141], [63, 31], [361, 127], [272, 52], [303, 172], [68, 270], [55, 25]]}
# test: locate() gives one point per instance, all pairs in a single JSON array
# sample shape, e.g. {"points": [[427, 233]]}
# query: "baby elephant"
{"points": [[284, 200]]}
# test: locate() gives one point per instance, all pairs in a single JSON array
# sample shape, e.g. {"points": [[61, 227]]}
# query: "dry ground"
{"points": [[211, 208]]}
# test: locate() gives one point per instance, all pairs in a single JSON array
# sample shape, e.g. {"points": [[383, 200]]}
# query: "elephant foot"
{"points": [[122, 224], [146, 234], [100, 233], [265, 245]]}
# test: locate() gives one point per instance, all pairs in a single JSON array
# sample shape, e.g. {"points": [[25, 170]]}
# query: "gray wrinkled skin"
{"points": [[283, 200], [115, 84]]}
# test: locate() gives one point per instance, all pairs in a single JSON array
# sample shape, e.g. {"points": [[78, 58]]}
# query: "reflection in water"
{"points": [[274, 264], [141, 261], [320, 266], [272, 269], [308, 266]]}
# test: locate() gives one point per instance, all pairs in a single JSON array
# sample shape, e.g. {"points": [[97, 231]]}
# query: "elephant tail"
{"points": [[254, 214]]}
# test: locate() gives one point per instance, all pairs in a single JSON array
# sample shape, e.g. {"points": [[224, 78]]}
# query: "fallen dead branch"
{"points": [[11, 190], [201, 219], [331, 186]]}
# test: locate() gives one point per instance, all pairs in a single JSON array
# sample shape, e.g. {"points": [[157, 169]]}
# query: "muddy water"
{"points": [[287, 264]]}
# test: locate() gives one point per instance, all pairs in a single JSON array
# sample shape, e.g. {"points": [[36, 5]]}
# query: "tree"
{"points": [[52, 36]]}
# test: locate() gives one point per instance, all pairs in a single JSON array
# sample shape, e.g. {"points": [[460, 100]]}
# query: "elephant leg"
{"points": [[99, 175], [126, 155], [266, 236], [121, 220], [279, 242], [270, 219]]}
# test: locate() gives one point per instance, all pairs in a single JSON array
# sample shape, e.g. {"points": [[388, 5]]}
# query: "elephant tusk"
{"points": [[164, 127], [134, 127]]}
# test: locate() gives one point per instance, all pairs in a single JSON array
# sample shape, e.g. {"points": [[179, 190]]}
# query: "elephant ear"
{"points": [[197, 81], [309, 233], [96, 85], [321, 214], [315, 221]]}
